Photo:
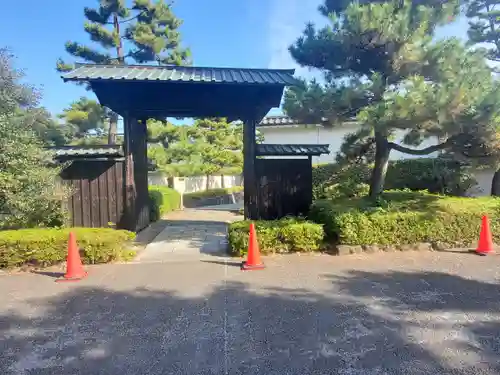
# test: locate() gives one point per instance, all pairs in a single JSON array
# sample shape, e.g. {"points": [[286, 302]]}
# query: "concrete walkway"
{"points": [[387, 313], [190, 235]]}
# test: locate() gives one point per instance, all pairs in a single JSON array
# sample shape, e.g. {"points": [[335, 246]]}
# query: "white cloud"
{"points": [[287, 20]]}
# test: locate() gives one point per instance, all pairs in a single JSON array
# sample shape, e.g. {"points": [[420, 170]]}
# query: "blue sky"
{"points": [[242, 33]]}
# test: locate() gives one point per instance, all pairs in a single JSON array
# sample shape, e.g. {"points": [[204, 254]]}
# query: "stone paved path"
{"points": [[191, 234]]}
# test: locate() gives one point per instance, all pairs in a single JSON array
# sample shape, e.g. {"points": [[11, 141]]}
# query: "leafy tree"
{"points": [[382, 69], [28, 189], [147, 31], [217, 146], [46, 128], [484, 30]]}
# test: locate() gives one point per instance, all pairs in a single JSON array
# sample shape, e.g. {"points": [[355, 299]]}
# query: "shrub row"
{"points": [[48, 246], [437, 175], [405, 217], [278, 236], [162, 200], [212, 193]]}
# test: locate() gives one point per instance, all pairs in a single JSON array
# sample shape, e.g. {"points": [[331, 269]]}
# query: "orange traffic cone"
{"points": [[74, 267], [485, 245], [253, 260]]}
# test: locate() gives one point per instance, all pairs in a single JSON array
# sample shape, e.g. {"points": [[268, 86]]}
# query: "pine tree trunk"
{"points": [[113, 129], [119, 47], [207, 185], [495, 184], [222, 182], [382, 153]]}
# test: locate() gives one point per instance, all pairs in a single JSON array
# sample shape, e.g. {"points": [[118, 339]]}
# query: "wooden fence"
{"points": [[285, 187], [97, 193]]}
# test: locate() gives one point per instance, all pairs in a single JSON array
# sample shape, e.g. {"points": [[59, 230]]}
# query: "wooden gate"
{"points": [[284, 187], [97, 193]]}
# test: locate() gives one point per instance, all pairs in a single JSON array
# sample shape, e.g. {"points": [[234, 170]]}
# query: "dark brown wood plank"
{"points": [[103, 195], [85, 194], [119, 197], [95, 221], [77, 203]]}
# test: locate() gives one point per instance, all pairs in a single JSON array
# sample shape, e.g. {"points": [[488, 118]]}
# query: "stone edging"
{"points": [[370, 249]]}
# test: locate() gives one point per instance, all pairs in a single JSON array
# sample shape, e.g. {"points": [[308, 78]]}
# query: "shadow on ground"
{"points": [[368, 323]]}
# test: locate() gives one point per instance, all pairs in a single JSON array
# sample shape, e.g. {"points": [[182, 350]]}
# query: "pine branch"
{"points": [[99, 34], [424, 151], [83, 52]]}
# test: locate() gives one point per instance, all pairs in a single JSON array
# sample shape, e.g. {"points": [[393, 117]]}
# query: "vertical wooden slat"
{"points": [[119, 196], [111, 177], [77, 198], [104, 216], [86, 204], [94, 196]]}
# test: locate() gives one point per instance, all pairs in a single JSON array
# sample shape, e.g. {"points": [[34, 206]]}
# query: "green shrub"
{"points": [[212, 193], [278, 236], [162, 200], [406, 217], [437, 175], [47, 246]]}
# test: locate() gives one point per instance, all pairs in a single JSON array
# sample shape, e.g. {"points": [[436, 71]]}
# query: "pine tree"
{"points": [[84, 118], [217, 146], [484, 30], [382, 69], [149, 28]]}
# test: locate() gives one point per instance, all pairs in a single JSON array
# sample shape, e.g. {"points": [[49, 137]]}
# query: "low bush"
{"points": [[406, 217], [437, 175], [277, 236], [162, 200], [48, 246], [212, 193]]}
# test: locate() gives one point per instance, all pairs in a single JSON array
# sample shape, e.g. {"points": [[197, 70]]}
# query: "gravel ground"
{"points": [[389, 313]]}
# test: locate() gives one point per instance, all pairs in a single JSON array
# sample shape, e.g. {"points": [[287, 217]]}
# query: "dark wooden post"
{"points": [[128, 214], [136, 197], [139, 151], [249, 177]]}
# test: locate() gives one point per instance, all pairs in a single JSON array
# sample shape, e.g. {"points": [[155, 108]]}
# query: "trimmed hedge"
{"points": [[162, 200], [48, 246], [405, 217], [278, 236], [212, 193], [437, 175]]}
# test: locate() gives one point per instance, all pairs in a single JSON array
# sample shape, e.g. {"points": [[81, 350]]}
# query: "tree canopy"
{"points": [[484, 34], [382, 69], [28, 190]]}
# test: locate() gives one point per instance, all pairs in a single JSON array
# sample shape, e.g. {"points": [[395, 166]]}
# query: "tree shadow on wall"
{"points": [[368, 323]]}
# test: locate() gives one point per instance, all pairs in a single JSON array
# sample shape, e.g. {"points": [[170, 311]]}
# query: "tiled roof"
{"points": [[291, 150], [277, 120], [87, 151], [89, 72]]}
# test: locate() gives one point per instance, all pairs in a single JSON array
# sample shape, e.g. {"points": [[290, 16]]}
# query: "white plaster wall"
{"points": [[312, 134], [194, 183], [484, 178]]}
